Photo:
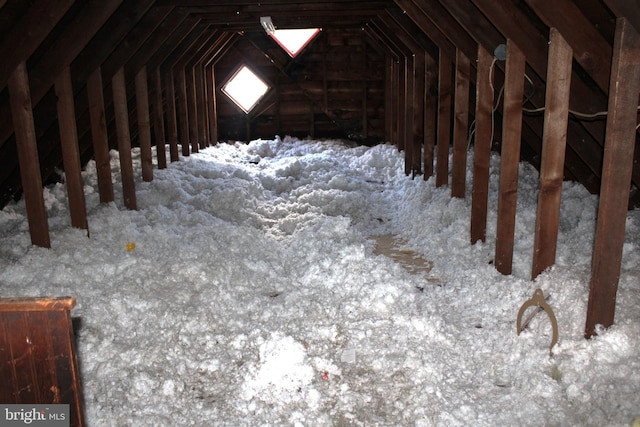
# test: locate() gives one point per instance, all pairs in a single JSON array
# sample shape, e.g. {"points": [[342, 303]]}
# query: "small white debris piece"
{"points": [[349, 355]]}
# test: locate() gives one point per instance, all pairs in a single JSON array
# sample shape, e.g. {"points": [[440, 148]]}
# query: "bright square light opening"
{"points": [[294, 40], [245, 88]]}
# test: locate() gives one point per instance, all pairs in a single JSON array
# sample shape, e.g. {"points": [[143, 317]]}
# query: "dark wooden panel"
{"points": [[38, 358]]}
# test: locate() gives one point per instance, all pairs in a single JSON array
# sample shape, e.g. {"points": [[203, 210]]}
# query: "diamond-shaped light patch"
{"points": [[245, 88]]}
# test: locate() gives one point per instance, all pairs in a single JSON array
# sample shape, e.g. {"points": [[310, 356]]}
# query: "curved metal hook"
{"points": [[538, 300]]}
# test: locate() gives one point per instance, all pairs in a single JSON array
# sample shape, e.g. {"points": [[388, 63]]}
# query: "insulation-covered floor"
{"points": [[248, 290]]}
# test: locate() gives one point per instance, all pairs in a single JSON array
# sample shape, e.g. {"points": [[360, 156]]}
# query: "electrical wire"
{"points": [[579, 115]]}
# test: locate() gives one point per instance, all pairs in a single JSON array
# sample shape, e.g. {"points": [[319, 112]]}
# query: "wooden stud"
{"points": [[144, 124], [70, 150], [388, 99], [182, 111], [158, 121], [407, 109], [192, 109], [482, 147], [418, 131], [444, 119], [212, 104], [172, 122], [510, 157], [554, 142], [124, 139], [22, 114], [460, 125], [616, 177], [364, 115], [99, 136], [430, 115], [201, 100], [401, 113]]}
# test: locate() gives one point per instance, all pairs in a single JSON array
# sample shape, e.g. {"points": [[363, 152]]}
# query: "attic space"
{"points": [[421, 212]]}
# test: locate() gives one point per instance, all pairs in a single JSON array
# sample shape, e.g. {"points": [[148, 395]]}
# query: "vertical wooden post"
{"points": [[430, 114], [388, 99], [417, 137], [158, 121], [395, 102], [482, 150], [192, 109], [554, 142], [364, 116], [460, 125], [144, 124], [510, 157], [182, 112], [124, 139], [616, 177], [22, 114], [99, 136], [70, 150], [401, 105], [444, 120], [201, 99], [409, 146], [172, 122], [213, 104]]}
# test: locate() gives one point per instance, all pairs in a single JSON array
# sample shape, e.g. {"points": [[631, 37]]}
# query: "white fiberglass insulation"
{"points": [[254, 296]]}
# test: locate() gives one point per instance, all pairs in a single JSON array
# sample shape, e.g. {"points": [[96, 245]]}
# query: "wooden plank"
{"points": [[510, 157], [445, 88], [158, 120], [554, 143], [99, 136], [70, 151], [418, 130], [616, 177], [37, 354], [182, 111], [388, 98], [192, 109], [407, 108], [28, 33], [21, 111], [36, 303], [66, 365], [212, 104], [401, 114], [201, 104], [23, 375], [430, 115], [460, 125], [482, 146], [172, 121], [124, 139], [144, 124]]}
